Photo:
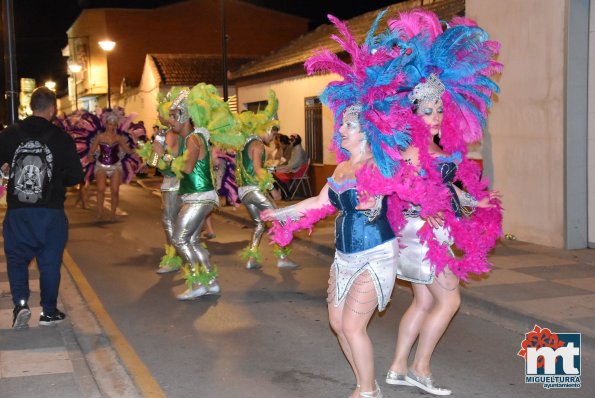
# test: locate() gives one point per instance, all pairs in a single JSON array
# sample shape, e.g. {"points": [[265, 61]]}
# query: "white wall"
{"points": [[525, 139], [291, 94], [143, 100]]}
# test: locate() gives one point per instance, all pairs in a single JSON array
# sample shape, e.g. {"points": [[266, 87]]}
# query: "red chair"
{"points": [[301, 179]]}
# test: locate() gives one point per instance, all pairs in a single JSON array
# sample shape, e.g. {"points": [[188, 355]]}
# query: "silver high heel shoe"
{"points": [[426, 383]]}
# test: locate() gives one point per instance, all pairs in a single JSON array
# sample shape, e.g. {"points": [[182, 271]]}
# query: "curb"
{"points": [[105, 366]]}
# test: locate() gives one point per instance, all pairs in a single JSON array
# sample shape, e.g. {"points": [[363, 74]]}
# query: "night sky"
{"points": [[40, 27]]}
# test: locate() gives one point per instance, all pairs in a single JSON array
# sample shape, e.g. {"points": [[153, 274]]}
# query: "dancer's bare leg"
{"points": [[410, 326], [360, 304], [115, 182], [350, 323], [335, 317], [101, 179], [447, 299]]}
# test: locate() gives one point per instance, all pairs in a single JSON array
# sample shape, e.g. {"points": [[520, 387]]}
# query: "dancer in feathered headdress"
{"points": [[195, 114], [105, 156], [111, 136], [171, 202], [253, 131], [446, 82], [367, 134]]}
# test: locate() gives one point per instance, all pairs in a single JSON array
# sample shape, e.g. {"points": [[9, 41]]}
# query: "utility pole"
{"points": [[10, 64], [224, 50]]}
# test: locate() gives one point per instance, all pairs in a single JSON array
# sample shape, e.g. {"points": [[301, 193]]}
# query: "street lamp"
{"points": [[107, 46], [75, 68], [51, 85]]}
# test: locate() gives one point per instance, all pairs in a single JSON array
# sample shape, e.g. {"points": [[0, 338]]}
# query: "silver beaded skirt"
{"points": [[380, 262]]}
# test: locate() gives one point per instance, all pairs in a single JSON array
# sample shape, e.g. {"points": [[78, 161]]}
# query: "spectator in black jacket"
{"points": [[43, 161]]}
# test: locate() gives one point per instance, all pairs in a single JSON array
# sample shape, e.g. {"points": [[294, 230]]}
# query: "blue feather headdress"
{"points": [[371, 81], [462, 57]]}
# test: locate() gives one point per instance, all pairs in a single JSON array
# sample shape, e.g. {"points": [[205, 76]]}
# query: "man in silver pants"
{"points": [[198, 199], [171, 204], [249, 165]]}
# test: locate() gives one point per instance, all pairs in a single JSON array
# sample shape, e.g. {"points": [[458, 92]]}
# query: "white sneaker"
{"points": [[285, 263]]}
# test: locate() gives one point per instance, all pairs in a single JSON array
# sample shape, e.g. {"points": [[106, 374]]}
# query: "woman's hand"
{"points": [[436, 221], [267, 215], [158, 148], [366, 201], [485, 203]]}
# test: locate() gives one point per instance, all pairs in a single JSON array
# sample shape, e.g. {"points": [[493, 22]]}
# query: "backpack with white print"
{"points": [[32, 169]]}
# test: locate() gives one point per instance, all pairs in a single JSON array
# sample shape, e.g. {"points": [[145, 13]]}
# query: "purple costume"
{"points": [[108, 160]]}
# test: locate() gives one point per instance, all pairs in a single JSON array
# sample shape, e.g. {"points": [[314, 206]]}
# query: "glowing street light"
{"points": [[74, 69], [51, 85], [107, 46]]}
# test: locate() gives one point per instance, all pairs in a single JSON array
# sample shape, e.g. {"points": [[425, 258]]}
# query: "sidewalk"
{"points": [[73, 359]]}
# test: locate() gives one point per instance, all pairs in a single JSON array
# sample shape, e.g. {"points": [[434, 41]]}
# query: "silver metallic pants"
{"points": [[256, 201], [171, 204], [186, 232]]}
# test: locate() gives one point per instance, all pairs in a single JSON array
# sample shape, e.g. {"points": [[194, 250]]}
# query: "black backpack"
{"points": [[32, 169]]}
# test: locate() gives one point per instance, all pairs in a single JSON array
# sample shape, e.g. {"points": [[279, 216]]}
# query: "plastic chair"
{"points": [[301, 179]]}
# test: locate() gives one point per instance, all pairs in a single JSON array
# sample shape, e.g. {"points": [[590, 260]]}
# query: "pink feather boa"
{"points": [[475, 236], [282, 234]]}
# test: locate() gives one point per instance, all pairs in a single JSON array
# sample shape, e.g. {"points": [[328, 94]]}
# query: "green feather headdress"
{"points": [[209, 111], [260, 123]]}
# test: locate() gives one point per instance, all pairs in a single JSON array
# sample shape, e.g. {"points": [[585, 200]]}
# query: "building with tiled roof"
{"points": [[187, 69], [292, 57], [162, 71], [300, 112], [185, 27]]}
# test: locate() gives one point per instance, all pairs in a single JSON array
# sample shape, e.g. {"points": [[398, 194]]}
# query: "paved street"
{"points": [[266, 335]]}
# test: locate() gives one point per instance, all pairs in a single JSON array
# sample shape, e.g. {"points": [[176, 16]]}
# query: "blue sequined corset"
{"points": [[353, 231]]}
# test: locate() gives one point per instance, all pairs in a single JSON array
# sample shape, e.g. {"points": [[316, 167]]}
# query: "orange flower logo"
{"points": [[538, 338]]}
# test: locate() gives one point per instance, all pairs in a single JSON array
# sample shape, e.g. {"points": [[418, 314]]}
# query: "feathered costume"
{"points": [[372, 82], [365, 242], [84, 126], [390, 66], [210, 115], [253, 186], [172, 173], [461, 59]]}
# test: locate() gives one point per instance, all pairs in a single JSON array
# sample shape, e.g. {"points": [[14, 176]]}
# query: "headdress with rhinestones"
{"points": [[458, 61]]}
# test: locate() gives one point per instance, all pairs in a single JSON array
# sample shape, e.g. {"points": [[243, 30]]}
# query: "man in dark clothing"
{"points": [[43, 162]]}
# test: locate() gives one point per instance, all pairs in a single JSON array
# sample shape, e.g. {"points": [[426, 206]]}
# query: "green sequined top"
{"points": [[245, 167], [200, 179]]}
